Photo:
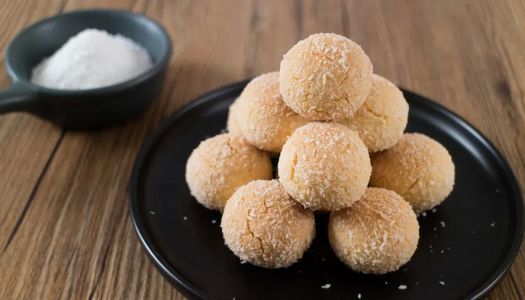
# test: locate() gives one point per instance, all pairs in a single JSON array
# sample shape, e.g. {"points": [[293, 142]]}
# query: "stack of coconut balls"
{"points": [[338, 131]]}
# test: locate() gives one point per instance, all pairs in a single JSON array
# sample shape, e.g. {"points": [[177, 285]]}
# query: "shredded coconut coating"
{"points": [[418, 168], [324, 166], [220, 165], [325, 77], [262, 225], [232, 124], [377, 235], [382, 119], [264, 119]]}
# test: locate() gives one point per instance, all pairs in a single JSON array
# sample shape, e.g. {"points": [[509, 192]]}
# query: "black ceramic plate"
{"points": [[466, 244]]}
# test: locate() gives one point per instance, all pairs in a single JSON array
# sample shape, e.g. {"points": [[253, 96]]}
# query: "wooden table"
{"points": [[65, 230]]}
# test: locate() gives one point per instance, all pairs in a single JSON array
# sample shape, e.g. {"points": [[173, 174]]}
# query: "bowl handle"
{"points": [[18, 97]]}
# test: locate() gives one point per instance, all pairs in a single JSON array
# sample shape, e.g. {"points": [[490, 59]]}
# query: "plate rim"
{"points": [[189, 290]]}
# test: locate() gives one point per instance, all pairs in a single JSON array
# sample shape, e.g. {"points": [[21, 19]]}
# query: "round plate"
{"points": [[466, 244]]}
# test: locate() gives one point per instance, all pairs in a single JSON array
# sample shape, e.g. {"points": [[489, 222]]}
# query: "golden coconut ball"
{"points": [[325, 77], [382, 119], [324, 166], [418, 168], [263, 225], [220, 165], [265, 121], [232, 124], [377, 235]]}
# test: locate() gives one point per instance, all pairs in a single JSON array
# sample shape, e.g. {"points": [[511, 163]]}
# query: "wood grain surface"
{"points": [[65, 232]]}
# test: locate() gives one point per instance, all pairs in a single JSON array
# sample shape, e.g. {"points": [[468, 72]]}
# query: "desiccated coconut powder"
{"points": [[91, 59]]}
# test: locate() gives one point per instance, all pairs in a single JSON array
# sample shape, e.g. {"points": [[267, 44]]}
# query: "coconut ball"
{"points": [[325, 77], [220, 165], [232, 124], [324, 166], [266, 122], [378, 234], [262, 225], [418, 168], [382, 119]]}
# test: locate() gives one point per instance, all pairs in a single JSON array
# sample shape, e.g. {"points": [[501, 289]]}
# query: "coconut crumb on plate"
{"points": [[326, 286]]}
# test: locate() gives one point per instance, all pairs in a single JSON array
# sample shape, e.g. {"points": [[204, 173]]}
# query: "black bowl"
{"points": [[84, 109]]}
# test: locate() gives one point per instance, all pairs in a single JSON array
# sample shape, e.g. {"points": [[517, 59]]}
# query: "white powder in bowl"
{"points": [[91, 59]]}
